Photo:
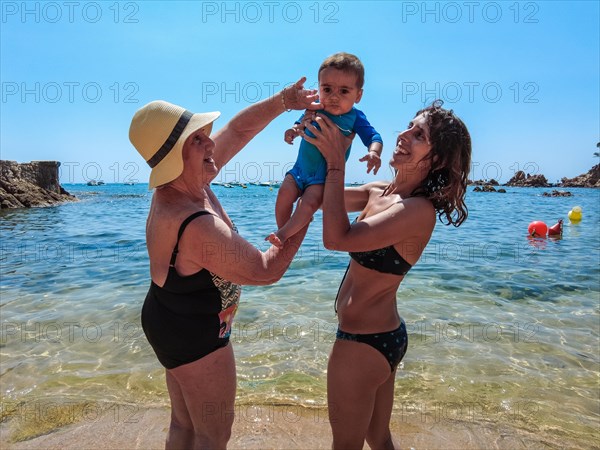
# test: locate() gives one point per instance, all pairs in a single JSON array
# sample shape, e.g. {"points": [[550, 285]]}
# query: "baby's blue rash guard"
{"points": [[310, 167]]}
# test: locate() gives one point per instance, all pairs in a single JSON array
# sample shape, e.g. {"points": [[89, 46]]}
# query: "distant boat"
{"points": [[270, 183], [95, 183], [129, 183]]}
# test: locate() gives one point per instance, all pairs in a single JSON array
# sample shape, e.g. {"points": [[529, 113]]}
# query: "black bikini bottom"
{"points": [[391, 344]]}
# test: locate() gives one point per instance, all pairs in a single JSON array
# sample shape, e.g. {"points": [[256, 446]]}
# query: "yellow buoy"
{"points": [[575, 214]]}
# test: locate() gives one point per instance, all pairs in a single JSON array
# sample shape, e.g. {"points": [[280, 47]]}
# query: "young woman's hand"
{"points": [[330, 141]]}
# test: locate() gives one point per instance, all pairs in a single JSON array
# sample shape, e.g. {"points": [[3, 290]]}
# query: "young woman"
{"points": [[396, 220]]}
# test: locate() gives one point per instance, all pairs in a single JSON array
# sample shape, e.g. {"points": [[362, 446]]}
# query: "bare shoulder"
{"points": [[208, 227], [357, 197], [421, 210], [375, 185], [205, 240], [419, 202]]}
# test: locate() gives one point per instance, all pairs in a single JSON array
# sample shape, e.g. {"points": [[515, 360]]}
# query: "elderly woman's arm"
{"points": [[209, 243], [230, 139]]}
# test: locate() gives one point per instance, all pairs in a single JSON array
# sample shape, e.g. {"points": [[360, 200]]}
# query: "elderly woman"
{"points": [[396, 220], [197, 259]]}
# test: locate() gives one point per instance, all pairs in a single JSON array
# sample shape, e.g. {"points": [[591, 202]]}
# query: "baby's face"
{"points": [[338, 91]]}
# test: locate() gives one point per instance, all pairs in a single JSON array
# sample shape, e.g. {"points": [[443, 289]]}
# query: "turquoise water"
{"points": [[502, 329]]}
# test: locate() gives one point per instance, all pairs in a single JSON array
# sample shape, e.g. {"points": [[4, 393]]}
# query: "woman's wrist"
{"points": [[285, 107], [335, 164], [335, 174], [336, 170]]}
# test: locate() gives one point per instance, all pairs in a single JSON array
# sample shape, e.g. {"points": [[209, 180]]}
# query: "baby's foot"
{"points": [[274, 240]]}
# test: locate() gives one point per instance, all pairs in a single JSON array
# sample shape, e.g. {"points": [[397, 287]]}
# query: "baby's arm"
{"points": [[292, 133], [373, 157], [372, 139]]}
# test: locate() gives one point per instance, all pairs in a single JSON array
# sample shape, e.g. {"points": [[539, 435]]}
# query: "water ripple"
{"points": [[496, 320]]}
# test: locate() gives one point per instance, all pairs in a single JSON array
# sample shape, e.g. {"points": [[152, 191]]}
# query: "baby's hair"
{"points": [[348, 63]]}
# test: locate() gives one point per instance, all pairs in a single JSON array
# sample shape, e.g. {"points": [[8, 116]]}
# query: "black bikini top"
{"points": [[385, 260]]}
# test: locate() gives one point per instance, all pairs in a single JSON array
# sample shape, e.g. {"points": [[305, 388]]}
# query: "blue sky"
{"points": [[524, 76]]}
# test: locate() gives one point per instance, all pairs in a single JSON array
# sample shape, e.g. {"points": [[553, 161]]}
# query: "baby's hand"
{"points": [[290, 135], [373, 162]]}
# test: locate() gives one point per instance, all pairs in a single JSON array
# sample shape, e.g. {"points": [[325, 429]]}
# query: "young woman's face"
{"points": [[338, 91], [413, 144]]}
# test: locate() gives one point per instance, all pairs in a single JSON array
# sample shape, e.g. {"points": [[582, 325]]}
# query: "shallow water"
{"points": [[502, 329]]}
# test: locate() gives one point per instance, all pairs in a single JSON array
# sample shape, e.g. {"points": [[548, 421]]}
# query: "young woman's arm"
{"points": [[411, 220]]}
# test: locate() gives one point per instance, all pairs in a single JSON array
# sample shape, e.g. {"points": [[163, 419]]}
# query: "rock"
{"points": [[590, 179], [522, 180], [31, 184], [487, 188], [491, 182], [556, 193]]}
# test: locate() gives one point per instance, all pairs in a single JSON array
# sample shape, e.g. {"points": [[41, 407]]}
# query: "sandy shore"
{"points": [[274, 427]]}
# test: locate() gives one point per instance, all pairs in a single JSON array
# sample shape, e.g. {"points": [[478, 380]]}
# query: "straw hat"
{"points": [[158, 131]]}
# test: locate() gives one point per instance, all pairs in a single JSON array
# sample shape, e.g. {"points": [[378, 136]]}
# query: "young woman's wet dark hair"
{"points": [[446, 183]]}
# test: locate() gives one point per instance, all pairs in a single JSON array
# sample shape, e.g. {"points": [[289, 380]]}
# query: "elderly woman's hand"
{"points": [[296, 97], [330, 141]]}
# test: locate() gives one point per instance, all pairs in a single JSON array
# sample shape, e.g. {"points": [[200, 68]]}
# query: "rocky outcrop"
{"points": [[490, 182], [556, 193], [31, 184], [590, 179], [488, 188], [522, 180]]}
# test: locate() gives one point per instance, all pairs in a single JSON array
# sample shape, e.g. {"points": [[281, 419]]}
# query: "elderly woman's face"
{"points": [[413, 144], [197, 154]]}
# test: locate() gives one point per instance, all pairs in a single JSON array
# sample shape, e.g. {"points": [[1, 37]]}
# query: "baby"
{"points": [[341, 78]]}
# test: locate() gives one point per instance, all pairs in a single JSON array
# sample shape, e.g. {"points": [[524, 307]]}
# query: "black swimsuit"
{"points": [[189, 317], [391, 344]]}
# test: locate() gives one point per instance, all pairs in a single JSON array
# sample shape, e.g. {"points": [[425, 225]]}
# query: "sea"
{"points": [[504, 329]]}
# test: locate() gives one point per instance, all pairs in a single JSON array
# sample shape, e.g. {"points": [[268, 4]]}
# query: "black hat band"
{"points": [[172, 139]]}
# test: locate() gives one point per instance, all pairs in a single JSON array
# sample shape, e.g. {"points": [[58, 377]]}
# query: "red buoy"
{"points": [[556, 230], [537, 229]]}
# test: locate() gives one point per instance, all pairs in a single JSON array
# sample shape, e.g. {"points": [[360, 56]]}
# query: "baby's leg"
{"points": [[287, 195], [308, 204]]}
